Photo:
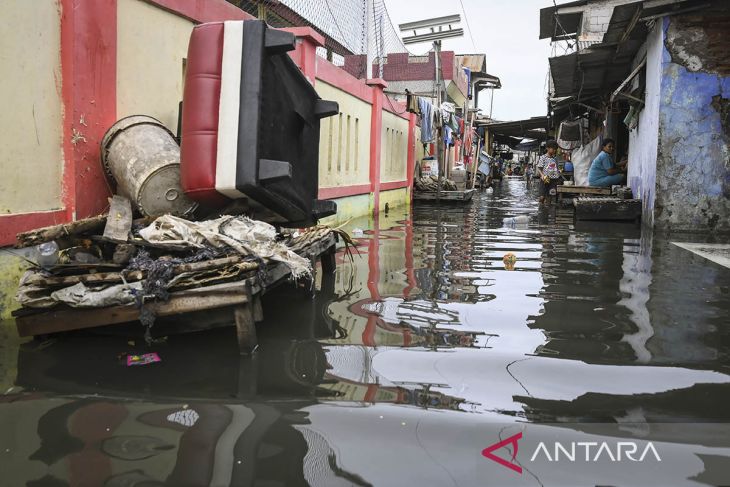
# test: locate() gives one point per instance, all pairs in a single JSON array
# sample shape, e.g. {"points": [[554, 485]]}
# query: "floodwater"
{"points": [[408, 362]]}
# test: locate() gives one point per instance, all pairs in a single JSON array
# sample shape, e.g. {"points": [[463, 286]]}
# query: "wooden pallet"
{"points": [[569, 191], [607, 208], [458, 196], [239, 300]]}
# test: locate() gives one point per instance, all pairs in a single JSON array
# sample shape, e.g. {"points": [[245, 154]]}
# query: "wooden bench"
{"points": [[459, 196], [571, 191]]}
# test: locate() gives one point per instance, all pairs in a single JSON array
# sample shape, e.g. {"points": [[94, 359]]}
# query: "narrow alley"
{"points": [[428, 342]]}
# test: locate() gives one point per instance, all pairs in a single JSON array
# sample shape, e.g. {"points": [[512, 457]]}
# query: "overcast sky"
{"points": [[506, 31]]}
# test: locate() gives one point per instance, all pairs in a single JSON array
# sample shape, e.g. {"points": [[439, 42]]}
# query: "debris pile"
{"points": [[430, 183], [113, 260]]}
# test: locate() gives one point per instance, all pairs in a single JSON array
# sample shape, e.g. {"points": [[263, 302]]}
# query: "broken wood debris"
{"points": [[55, 232], [138, 270], [430, 183]]}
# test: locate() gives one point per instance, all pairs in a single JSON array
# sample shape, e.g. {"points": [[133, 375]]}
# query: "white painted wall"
{"points": [[643, 140], [394, 148], [344, 140], [31, 124], [151, 46]]}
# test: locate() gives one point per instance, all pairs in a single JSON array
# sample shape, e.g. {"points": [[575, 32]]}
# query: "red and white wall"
{"points": [[74, 67]]}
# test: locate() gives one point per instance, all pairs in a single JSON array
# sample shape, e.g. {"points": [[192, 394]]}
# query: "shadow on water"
{"points": [[404, 364]]}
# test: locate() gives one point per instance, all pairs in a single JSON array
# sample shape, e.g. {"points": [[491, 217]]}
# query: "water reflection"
{"points": [[405, 364]]}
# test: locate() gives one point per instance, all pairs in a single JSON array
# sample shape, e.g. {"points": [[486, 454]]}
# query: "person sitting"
{"points": [[603, 172]]}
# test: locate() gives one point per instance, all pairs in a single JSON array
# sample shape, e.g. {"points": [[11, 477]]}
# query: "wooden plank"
{"points": [[66, 319], [132, 276], [54, 232], [465, 195], [258, 310], [246, 329], [583, 190], [119, 221], [317, 247]]}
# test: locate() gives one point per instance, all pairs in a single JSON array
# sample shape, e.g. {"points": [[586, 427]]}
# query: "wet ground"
{"points": [[410, 361]]}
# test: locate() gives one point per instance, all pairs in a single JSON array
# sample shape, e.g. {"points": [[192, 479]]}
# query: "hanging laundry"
{"points": [[448, 135], [458, 125], [467, 72], [427, 113], [448, 111]]}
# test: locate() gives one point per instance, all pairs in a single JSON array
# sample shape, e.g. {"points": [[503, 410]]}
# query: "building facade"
{"points": [[74, 67], [656, 74]]}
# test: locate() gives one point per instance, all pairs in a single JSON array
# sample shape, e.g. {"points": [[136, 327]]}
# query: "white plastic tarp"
{"points": [[582, 158]]}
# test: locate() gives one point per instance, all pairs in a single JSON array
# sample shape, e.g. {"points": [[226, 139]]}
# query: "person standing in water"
{"points": [[547, 169]]}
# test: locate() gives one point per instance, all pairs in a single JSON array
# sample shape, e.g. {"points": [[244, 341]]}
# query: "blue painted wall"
{"points": [[692, 173]]}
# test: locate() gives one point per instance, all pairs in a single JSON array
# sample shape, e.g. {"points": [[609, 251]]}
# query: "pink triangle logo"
{"points": [[487, 452]]}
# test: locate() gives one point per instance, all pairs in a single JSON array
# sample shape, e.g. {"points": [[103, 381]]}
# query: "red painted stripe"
{"points": [[307, 33], [342, 191], [339, 78], [411, 163], [393, 185], [94, 98], [203, 10], [11, 225], [68, 188], [376, 129], [368, 334], [371, 393], [305, 54]]}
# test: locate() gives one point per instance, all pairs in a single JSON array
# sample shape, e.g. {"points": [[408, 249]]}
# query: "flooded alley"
{"points": [[417, 354]]}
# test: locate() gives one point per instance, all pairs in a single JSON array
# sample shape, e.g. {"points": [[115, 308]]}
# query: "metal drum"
{"points": [[141, 154]]}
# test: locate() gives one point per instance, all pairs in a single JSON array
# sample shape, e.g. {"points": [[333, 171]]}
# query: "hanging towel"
{"points": [[426, 120]]}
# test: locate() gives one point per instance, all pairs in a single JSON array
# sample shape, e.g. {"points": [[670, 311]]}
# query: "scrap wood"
{"points": [[248, 237], [198, 299], [99, 291], [36, 278], [54, 232], [299, 240], [430, 183]]}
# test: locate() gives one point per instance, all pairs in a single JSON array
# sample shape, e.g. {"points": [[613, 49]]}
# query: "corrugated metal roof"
{"points": [[601, 67]]}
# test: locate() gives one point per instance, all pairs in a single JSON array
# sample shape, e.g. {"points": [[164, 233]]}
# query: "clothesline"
{"points": [[453, 125]]}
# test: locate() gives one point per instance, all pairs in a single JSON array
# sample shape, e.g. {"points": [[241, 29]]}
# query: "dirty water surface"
{"points": [[447, 333]]}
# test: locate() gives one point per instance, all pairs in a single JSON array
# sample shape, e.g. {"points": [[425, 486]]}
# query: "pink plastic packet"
{"points": [[144, 359]]}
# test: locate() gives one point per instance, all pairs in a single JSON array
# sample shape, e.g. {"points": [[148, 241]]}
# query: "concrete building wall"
{"points": [[693, 160], [596, 18], [394, 198], [152, 44], [31, 159], [344, 140], [394, 148], [643, 140]]}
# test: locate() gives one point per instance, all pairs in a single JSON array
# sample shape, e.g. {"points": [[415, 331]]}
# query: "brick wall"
{"points": [[402, 67]]}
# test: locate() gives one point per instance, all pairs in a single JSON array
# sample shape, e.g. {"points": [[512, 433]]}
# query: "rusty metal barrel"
{"points": [[142, 156]]}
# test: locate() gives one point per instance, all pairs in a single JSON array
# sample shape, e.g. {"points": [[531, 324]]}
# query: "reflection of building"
{"points": [[395, 322], [350, 377]]}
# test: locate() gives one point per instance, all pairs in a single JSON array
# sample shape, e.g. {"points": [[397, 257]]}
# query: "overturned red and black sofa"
{"points": [[250, 124]]}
